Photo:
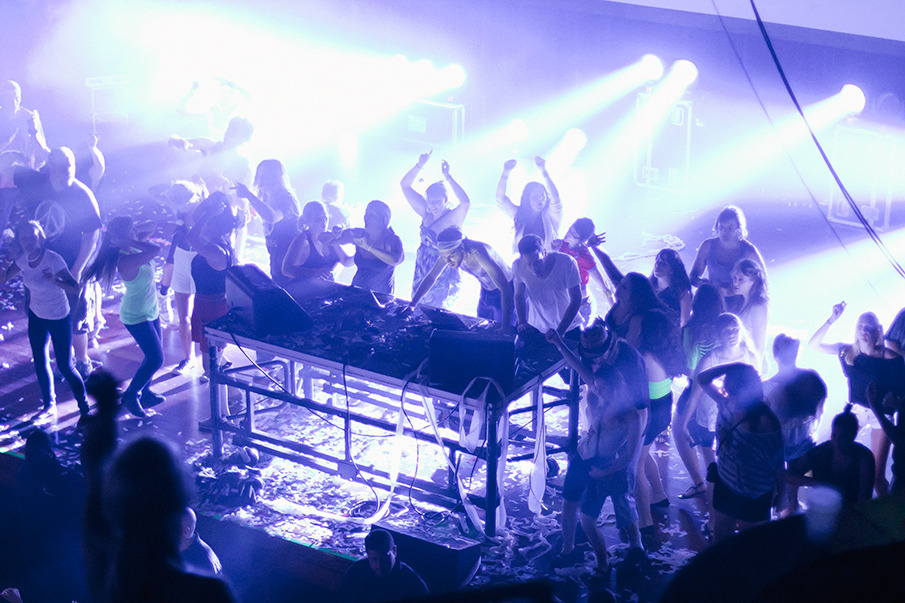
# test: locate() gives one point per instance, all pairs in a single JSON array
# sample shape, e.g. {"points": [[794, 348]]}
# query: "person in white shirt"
{"points": [[547, 288]]}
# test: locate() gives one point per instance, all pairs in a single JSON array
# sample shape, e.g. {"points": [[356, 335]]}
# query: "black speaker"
{"points": [[457, 357], [262, 304]]}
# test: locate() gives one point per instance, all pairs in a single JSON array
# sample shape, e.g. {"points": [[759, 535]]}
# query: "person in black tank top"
{"points": [[312, 255]]}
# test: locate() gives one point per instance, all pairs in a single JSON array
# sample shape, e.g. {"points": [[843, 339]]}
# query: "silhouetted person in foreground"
{"points": [[381, 576], [133, 516]]}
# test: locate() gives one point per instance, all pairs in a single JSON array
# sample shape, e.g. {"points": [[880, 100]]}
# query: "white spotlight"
{"points": [[852, 97], [453, 76], [685, 71], [651, 67], [576, 138], [517, 131]]}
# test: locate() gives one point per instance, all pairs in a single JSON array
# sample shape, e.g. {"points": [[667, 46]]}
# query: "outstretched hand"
{"points": [[509, 165], [242, 191], [597, 239], [444, 168], [541, 162], [424, 157]]}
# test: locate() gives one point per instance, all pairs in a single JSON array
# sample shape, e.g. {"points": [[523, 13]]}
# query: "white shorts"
{"points": [[182, 271]]}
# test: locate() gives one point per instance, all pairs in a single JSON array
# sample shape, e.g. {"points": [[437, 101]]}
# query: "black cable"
{"points": [[875, 237]]}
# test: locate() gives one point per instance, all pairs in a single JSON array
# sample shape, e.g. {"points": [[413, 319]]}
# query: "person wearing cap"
{"points": [[547, 288], [482, 262], [381, 576]]}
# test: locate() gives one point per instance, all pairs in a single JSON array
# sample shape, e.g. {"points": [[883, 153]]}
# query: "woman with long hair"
{"points": [[634, 298], [279, 211], [313, 254], [668, 278], [436, 214], [539, 211], [124, 251], [663, 360], [866, 360], [47, 280], [719, 254], [749, 300]]}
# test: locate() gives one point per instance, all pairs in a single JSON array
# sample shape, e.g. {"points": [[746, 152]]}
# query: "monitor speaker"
{"points": [[457, 357], [262, 304]]}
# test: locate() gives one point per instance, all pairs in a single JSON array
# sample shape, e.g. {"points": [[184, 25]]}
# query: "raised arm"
{"points": [[414, 198], [571, 358], [555, 208], [816, 341], [393, 256], [612, 272], [267, 213], [502, 200], [457, 215], [138, 253]]}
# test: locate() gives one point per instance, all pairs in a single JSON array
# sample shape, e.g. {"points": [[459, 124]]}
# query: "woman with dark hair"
{"points": [[47, 279], [136, 500], [721, 252], [378, 249], [313, 254], [699, 337], [215, 222], [634, 297], [749, 300], [749, 456], [663, 360], [866, 360], [436, 215], [539, 211], [125, 251], [668, 278], [279, 211]]}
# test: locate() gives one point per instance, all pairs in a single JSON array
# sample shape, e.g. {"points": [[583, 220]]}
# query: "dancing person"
{"points": [[539, 211], [480, 260], [279, 211], [136, 499], [749, 300], [720, 253], [601, 350], [72, 222], [841, 462], [547, 288], [215, 223], [575, 244], [749, 455], [378, 249], [698, 422], [866, 360], [185, 197], [381, 576], [668, 279], [125, 251], [20, 128], [663, 361], [699, 336], [48, 281], [436, 214], [312, 255]]}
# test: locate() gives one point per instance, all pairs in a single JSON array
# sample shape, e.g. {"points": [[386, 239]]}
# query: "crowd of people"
{"points": [[702, 332]]}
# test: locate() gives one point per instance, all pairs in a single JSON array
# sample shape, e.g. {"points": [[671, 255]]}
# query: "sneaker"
{"points": [[149, 398]]}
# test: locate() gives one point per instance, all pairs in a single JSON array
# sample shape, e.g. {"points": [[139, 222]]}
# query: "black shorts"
{"points": [[727, 502], [660, 418]]}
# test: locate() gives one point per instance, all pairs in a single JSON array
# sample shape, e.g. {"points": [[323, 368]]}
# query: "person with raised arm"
{"points": [[436, 214], [539, 211]]}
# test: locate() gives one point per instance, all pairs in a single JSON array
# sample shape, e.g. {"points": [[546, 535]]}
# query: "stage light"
{"points": [[853, 98], [684, 71], [453, 76], [564, 154], [651, 67], [517, 131]]}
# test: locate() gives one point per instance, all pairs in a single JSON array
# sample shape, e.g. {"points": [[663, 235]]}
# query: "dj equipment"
{"points": [[457, 357], [262, 304]]}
